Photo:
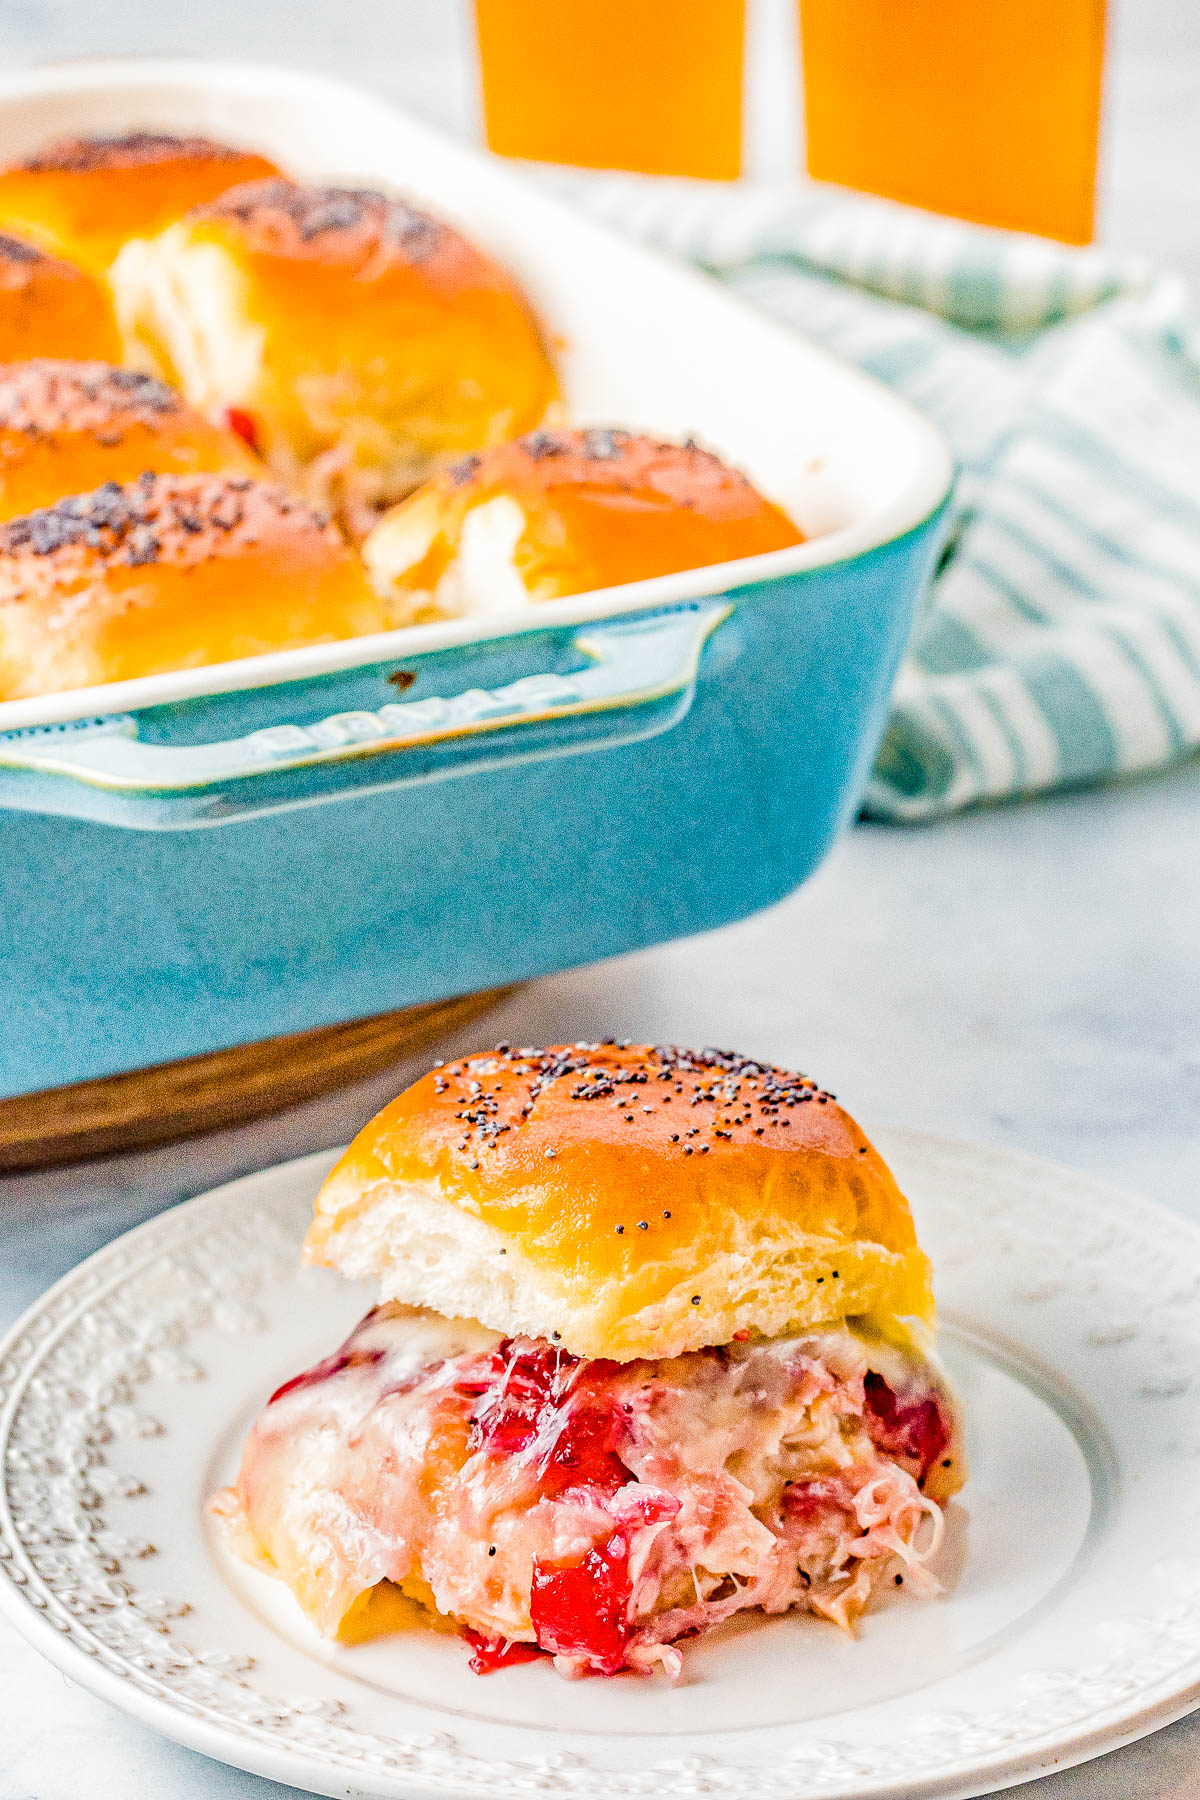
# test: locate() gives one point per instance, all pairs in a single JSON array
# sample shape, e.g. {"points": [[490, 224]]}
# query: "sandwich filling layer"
{"points": [[593, 1510]]}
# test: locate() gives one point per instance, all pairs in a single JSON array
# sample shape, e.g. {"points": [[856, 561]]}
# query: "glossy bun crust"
{"points": [[575, 511], [50, 308], [83, 197], [67, 427], [623, 1200], [349, 325], [169, 572]]}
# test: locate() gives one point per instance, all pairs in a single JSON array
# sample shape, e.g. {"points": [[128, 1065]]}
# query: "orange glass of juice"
{"points": [[985, 109], [654, 85]]}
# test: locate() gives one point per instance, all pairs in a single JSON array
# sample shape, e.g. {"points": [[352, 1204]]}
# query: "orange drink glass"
{"points": [[654, 85], [986, 109]]}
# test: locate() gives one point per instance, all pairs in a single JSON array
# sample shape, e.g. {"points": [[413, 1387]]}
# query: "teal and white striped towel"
{"points": [[1060, 642]]}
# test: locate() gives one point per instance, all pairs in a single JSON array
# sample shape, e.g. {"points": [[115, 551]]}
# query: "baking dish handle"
{"points": [[637, 680]]}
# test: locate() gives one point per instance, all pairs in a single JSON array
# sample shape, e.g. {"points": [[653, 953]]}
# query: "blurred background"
{"points": [[420, 53]]}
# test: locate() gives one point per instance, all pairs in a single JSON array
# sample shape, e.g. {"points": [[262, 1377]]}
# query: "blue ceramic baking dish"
{"points": [[208, 858]]}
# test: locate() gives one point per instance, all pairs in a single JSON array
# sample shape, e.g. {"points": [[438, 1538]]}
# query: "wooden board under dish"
{"points": [[144, 1107]]}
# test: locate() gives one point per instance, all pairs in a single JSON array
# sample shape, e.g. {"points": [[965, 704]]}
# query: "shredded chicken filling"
{"points": [[597, 1511]]}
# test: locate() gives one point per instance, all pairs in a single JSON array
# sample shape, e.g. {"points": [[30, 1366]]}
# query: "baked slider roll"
{"points": [[66, 427], [50, 308], [565, 512], [653, 1348], [83, 197], [169, 572], [363, 339]]}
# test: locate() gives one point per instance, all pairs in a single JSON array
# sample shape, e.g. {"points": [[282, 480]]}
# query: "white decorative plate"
{"points": [[1071, 1319]]}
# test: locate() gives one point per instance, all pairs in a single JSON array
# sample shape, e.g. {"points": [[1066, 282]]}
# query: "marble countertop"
{"points": [[1028, 976]]}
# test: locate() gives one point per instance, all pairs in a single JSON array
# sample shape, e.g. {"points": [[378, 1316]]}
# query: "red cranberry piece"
{"points": [[324, 1370], [497, 1652], [582, 1609], [910, 1430], [478, 1376], [539, 1392], [582, 1454], [243, 425], [522, 1384]]}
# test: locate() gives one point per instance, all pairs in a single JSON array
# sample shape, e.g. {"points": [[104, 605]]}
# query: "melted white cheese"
{"points": [[484, 578], [481, 578], [183, 305]]}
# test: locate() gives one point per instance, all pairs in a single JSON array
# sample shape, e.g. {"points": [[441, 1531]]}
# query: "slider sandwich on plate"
{"points": [[359, 339], [565, 512], [653, 1347]]}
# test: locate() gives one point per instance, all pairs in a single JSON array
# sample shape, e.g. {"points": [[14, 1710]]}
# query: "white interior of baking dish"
{"points": [[640, 342]]}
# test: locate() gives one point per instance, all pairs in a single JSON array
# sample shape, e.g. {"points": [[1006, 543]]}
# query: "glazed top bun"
{"points": [[66, 427], [83, 197], [50, 308], [169, 572], [566, 512], [625, 1201], [347, 325]]}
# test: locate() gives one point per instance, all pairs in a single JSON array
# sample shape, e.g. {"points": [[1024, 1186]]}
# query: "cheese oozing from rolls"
{"points": [[697, 1377], [565, 512], [363, 338], [85, 197], [169, 572], [66, 427], [49, 307]]}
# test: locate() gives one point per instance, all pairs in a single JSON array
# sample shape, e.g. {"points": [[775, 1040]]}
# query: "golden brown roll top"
{"points": [[566, 512], [350, 326], [84, 197], [625, 1201], [51, 308], [66, 427], [169, 572]]}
